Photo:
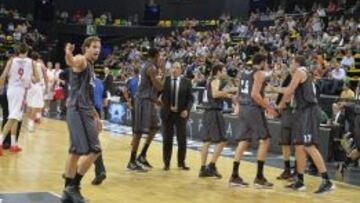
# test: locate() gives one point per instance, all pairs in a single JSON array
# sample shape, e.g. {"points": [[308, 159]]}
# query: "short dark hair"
{"points": [[258, 58], [35, 55], [88, 41], [136, 71], [300, 60], [22, 48], [216, 68]]}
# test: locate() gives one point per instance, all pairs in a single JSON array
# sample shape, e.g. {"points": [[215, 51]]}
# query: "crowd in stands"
{"points": [[15, 28], [331, 47]]}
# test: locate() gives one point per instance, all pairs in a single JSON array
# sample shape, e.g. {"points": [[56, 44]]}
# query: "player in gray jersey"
{"points": [[83, 121], [146, 119], [306, 124], [213, 129], [252, 122]]}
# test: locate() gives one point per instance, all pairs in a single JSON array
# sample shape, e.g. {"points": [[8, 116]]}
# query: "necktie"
{"points": [[173, 92]]}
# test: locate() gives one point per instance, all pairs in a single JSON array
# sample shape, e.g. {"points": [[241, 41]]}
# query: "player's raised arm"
{"points": [[76, 63]]}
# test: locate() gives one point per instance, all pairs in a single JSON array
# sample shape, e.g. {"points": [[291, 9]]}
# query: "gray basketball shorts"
{"points": [[146, 117], [252, 123], [306, 126], [84, 137]]}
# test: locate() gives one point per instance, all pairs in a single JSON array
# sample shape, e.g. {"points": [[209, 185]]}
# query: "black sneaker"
{"points": [[326, 186], [214, 172], [99, 179], [204, 172], [297, 185], [237, 182], [285, 175], [142, 160], [262, 183], [65, 198], [133, 166], [73, 193]]}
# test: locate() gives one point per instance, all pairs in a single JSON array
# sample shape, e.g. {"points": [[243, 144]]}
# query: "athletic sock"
{"points": [[144, 150], [68, 181], [13, 141], [287, 165], [260, 169], [77, 179], [235, 172], [133, 157], [325, 176], [300, 177]]}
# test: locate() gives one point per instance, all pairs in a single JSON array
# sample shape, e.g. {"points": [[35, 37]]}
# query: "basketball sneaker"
{"points": [[237, 181], [326, 186], [285, 175], [262, 183], [297, 185], [15, 149], [143, 161], [73, 193], [133, 166], [213, 171]]}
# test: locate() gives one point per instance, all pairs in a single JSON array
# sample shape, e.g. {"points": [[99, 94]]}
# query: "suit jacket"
{"points": [[185, 97]]}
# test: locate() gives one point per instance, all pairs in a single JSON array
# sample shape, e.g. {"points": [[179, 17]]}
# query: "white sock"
{"points": [[13, 140], [38, 115], [1, 139]]}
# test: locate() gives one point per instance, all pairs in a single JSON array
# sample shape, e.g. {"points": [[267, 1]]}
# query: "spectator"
{"points": [[338, 73], [348, 60], [17, 34], [347, 93]]}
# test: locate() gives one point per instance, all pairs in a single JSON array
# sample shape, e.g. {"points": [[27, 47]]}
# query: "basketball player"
{"points": [[146, 119], [19, 71], [306, 124], [82, 118], [213, 129], [35, 95], [252, 122]]}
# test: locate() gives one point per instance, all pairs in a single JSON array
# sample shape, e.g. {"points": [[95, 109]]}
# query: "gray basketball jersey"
{"points": [[146, 89], [213, 103], [245, 88], [305, 93], [81, 88]]}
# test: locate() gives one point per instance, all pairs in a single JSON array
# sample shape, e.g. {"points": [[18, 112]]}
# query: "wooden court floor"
{"points": [[40, 165]]}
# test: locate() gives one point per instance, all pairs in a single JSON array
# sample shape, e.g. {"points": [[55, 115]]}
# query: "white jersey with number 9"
{"points": [[20, 72]]}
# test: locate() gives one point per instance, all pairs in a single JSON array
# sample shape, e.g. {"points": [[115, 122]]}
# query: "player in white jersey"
{"points": [[35, 95], [19, 72]]}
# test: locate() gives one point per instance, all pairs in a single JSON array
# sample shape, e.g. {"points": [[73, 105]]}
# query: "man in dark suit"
{"points": [[177, 100]]}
